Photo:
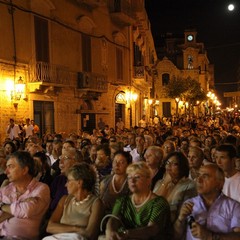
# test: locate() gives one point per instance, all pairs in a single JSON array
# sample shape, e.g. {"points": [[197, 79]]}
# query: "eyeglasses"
{"points": [[70, 180], [65, 158], [135, 177], [169, 163]]}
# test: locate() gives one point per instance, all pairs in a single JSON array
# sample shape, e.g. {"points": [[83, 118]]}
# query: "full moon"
{"points": [[230, 7]]}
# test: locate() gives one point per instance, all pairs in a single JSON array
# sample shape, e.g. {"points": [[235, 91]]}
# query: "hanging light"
{"points": [[19, 89]]}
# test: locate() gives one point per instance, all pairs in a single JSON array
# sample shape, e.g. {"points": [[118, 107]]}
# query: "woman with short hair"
{"points": [[78, 214], [141, 215]]}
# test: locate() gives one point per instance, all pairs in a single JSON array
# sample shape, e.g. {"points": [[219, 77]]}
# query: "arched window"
{"points": [[165, 79]]}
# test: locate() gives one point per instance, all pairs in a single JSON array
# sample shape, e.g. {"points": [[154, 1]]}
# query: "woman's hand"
{"points": [[115, 236]]}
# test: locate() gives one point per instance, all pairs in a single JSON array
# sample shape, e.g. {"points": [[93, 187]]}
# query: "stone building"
{"points": [[68, 63], [182, 57]]}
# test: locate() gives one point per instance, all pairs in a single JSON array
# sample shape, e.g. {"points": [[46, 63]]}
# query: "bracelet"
{"points": [[125, 232]]}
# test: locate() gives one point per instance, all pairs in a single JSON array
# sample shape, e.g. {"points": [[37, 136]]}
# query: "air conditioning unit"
{"points": [[84, 80]]}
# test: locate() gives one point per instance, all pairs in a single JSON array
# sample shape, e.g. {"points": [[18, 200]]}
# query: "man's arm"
{"points": [[199, 231], [180, 224], [34, 205], [6, 212]]}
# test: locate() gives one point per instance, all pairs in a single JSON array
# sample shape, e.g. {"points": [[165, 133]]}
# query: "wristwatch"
{"points": [[125, 232]]}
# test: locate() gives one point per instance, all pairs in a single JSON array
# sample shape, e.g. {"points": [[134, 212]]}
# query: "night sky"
{"points": [[218, 29]]}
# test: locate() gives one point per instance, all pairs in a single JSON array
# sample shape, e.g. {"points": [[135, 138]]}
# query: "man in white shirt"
{"points": [[28, 128], [226, 159], [13, 130]]}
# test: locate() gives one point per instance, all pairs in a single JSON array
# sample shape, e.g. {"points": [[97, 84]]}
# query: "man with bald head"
{"points": [[211, 215]]}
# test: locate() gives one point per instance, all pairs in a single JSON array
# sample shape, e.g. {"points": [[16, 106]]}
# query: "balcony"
{"points": [[139, 72], [121, 12], [92, 82], [140, 77], [48, 75]]}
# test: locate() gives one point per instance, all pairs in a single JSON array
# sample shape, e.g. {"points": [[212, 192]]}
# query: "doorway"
{"points": [[166, 109], [119, 112], [43, 114], [88, 122]]}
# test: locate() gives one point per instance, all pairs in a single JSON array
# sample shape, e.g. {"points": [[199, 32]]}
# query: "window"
{"points": [[190, 62], [41, 39], [86, 54], [138, 58], [119, 64], [165, 79]]}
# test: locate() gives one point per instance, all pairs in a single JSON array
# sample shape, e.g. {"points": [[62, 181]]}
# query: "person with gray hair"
{"points": [[154, 160], [195, 160], [24, 201], [69, 157], [210, 215]]}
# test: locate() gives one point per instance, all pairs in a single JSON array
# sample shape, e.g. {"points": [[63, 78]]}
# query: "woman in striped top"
{"points": [[141, 215]]}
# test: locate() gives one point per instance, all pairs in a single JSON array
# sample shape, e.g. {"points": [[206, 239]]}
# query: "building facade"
{"points": [[68, 64], [183, 58]]}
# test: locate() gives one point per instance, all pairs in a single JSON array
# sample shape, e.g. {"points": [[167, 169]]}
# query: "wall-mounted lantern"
{"points": [[19, 89]]}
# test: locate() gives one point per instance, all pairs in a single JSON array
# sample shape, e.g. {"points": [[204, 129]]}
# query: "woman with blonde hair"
{"points": [[141, 215]]}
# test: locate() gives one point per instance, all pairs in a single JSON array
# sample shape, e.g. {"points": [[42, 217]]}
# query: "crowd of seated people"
{"points": [[149, 183]]}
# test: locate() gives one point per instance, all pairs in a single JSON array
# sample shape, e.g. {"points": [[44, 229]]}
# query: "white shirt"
{"points": [[135, 155], [15, 130], [231, 187], [29, 130]]}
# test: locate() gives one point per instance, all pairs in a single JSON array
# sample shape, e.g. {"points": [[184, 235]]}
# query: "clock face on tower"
{"points": [[190, 37]]}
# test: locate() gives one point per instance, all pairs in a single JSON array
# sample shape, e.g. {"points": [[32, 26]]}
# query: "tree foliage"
{"points": [[188, 90], [176, 88]]}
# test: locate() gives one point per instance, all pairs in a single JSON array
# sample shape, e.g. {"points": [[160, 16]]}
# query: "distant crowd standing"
{"points": [[171, 178]]}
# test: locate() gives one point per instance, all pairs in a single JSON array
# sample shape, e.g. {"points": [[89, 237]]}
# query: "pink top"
{"points": [[27, 210]]}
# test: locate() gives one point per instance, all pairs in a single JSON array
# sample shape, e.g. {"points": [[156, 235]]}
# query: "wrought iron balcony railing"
{"points": [[139, 71], [50, 73]]}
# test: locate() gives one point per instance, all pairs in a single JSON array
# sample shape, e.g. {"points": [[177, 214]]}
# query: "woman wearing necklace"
{"points": [[78, 215], [115, 185], [176, 187], [141, 215]]}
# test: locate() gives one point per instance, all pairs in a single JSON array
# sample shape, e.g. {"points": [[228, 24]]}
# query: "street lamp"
{"points": [[131, 97], [177, 102]]}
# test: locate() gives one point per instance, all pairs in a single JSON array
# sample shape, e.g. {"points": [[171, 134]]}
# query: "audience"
{"points": [[170, 175]]}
